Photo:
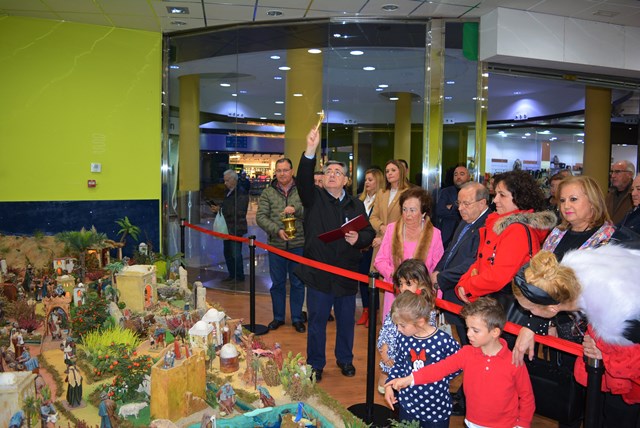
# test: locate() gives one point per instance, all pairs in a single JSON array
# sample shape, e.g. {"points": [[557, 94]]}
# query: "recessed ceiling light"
{"points": [[175, 10], [383, 85], [284, 68], [234, 95], [390, 7], [314, 51], [279, 102], [277, 77], [277, 114], [528, 134], [174, 67], [393, 98], [275, 57], [448, 98], [368, 68], [178, 23], [297, 94], [337, 35], [225, 85], [263, 117], [356, 53], [524, 137], [450, 82], [274, 12], [517, 93], [243, 91], [335, 100]]}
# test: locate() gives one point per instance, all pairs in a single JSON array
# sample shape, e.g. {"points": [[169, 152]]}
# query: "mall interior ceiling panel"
{"points": [[176, 15]]}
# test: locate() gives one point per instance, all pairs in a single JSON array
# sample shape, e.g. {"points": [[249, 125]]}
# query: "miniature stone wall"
{"points": [[132, 282], [169, 386]]}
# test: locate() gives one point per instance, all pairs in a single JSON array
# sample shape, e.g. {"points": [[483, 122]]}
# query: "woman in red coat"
{"points": [[504, 246]]}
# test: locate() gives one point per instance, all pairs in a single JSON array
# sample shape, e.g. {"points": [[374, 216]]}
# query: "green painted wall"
{"points": [[76, 94]]}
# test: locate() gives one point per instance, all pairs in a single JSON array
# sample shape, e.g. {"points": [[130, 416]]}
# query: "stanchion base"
{"points": [[380, 414], [258, 329]]}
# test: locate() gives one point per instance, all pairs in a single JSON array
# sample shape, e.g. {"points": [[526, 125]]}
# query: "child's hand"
{"points": [[389, 396], [389, 362], [399, 383]]}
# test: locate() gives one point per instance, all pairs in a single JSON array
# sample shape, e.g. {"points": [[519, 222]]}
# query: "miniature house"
{"points": [[201, 335], [65, 264], [138, 286], [78, 294], [216, 319], [15, 388], [67, 282]]}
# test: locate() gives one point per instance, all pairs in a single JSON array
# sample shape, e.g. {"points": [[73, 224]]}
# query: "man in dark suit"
{"points": [[446, 211], [628, 230], [473, 205]]}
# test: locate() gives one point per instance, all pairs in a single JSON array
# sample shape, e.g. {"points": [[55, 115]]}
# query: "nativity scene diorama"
{"points": [[90, 338]]}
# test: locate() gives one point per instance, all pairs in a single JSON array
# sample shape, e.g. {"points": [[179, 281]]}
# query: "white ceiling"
{"points": [[153, 15]]}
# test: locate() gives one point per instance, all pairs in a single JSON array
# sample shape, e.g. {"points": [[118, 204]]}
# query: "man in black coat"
{"points": [[473, 205], [628, 230], [326, 209]]}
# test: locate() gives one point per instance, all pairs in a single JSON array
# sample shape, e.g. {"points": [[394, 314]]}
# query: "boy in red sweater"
{"points": [[499, 394]]}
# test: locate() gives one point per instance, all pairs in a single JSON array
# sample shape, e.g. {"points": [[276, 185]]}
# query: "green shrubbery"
{"points": [[97, 341]]}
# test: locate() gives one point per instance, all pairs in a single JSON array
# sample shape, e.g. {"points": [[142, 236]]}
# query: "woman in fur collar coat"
{"points": [[602, 283], [504, 245]]}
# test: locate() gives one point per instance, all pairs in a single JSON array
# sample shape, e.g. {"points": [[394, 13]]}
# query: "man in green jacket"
{"points": [[281, 198]]}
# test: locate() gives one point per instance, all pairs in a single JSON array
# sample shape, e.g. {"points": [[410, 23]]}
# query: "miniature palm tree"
{"points": [[113, 268], [126, 229], [80, 241], [30, 407]]}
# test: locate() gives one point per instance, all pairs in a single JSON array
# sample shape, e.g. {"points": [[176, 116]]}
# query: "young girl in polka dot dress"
{"points": [[420, 344], [411, 275]]}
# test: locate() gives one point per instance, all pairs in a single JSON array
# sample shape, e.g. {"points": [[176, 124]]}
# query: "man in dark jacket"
{"points": [[473, 204], [234, 208], [325, 210]]}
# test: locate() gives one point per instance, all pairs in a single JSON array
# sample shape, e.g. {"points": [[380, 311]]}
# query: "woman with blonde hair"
{"points": [[387, 209], [373, 181], [412, 236], [598, 282]]}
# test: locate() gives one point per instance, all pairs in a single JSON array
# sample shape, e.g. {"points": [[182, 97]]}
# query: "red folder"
{"points": [[353, 225]]}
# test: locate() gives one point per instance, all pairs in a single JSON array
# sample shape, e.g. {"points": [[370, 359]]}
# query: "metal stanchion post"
{"points": [[257, 329], [593, 406], [371, 413], [182, 236]]}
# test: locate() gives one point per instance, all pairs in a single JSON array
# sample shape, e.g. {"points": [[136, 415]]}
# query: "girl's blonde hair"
{"points": [[411, 307]]}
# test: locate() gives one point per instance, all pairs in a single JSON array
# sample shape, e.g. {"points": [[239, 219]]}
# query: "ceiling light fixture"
{"points": [[389, 7], [356, 53], [383, 85], [297, 94], [277, 77], [368, 68], [450, 82], [379, 89], [277, 114], [275, 57], [175, 10], [393, 98], [174, 67], [274, 12], [225, 85], [234, 95], [314, 51], [337, 35], [284, 68], [279, 102]]}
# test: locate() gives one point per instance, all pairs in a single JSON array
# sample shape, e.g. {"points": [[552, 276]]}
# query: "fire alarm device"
{"points": [[91, 183]]}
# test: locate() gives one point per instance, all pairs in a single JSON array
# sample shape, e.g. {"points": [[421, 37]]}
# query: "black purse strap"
{"points": [[528, 239]]}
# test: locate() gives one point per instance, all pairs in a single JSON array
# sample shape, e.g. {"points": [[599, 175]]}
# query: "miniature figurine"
{"points": [[48, 414], [19, 343], [226, 399], [30, 363], [54, 325], [68, 347], [107, 412], [74, 390], [265, 397], [277, 356], [17, 419], [169, 359], [152, 341], [39, 291], [159, 334], [237, 334], [176, 348]]}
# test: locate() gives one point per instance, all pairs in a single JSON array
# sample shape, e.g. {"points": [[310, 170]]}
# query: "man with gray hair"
{"points": [[234, 208], [618, 199], [327, 209]]}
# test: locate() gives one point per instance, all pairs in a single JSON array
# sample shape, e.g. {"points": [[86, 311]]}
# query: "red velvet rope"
{"points": [[553, 342]]}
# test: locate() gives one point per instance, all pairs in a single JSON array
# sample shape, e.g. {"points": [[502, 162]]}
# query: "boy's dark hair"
{"points": [[489, 310]]}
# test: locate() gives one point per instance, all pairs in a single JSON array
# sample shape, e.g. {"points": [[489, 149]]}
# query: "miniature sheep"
{"points": [[131, 409]]}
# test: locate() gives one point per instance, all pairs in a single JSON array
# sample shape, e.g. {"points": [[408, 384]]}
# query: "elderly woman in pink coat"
{"points": [[411, 237]]}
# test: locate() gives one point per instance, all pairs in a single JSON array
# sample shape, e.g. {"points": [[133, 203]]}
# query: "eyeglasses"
{"points": [[619, 171], [334, 172], [466, 204], [282, 171]]}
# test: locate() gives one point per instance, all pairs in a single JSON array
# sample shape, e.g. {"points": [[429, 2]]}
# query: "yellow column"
{"points": [[402, 135], [303, 99], [597, 135], [482, 92], [356, 156], [189, 146]]}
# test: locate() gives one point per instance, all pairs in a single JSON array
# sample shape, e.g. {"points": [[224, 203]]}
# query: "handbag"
{"points": [[558, 395], [220, 224]]}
